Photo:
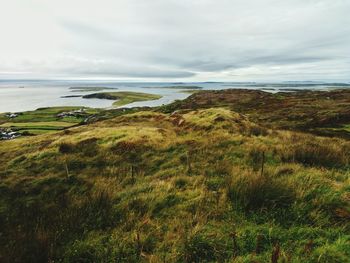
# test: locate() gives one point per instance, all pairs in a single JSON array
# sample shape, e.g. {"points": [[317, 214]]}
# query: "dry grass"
{"points": [[143, 187]]}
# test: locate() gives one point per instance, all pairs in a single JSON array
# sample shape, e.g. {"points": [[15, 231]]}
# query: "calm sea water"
{"points": [[23, 95]]}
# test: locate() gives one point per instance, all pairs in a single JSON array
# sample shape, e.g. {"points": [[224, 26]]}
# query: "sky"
{"points": [[176, 40]]}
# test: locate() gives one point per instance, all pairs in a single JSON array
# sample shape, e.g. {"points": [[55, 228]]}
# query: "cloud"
{"points": [[108, 69], [177, 39], [87, 31]]}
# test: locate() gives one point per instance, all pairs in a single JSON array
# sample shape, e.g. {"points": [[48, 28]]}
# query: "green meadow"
{"points": [[45, 120], [123, 97]]}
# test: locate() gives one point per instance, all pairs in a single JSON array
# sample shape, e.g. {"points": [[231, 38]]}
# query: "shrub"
{"points": [[66, 148], [284, 170], [126, 251], [180, 183], [215, 183], [85, 251], [256, 156], [254, 192], [76, 164], [339, 251], [202, 247], [257, 130], [86, 147], [95, 211], [313, 151]]}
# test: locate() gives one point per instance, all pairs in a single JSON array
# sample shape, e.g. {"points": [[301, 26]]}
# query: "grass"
{"points": [[190, 91], [318, 112], [123, 97], [181, 87], [38, 131], [57, 124], [45, 120], [344, 127], [194, 185]]}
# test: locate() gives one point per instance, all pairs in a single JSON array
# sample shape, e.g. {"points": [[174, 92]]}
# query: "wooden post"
{"points": [[275, 253], [235, 244], [132, 171], [66, 166], [138, 244], [262, 163], [189, 168], [259, 241]]}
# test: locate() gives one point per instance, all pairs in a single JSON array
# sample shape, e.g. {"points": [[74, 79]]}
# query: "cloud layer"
{"points": [[255, 40]]}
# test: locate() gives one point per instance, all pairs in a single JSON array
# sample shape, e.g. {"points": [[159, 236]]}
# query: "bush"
{"points": [[256, 156], [180, 183], [202, 247], [257, 130], [215, 183], [313, 151], [86, 251], [339, 251], [254, 192], [66, 148], [86, 147]]}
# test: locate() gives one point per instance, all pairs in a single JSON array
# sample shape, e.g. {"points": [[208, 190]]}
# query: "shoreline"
{"points": [[17, 96]]}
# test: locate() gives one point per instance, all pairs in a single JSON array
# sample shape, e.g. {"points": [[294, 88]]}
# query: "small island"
{"points": [[123, 97], [182, 87], [89, 89]]}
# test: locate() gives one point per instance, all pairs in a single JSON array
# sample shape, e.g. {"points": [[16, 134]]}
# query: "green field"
{"points": [[190, 91], [45, 120], [180, 87], [37, 124], [123, 97], [346, 127], [33, 127]]}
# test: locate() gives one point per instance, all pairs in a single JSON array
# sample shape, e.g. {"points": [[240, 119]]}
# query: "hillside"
{"points": [[223, 176], [319, 112]]}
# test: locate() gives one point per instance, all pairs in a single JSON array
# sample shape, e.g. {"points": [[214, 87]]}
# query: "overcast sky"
{"points": [[182, 40]]}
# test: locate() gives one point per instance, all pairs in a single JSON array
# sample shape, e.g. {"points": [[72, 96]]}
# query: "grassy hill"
{"points": [[209, 179], [318, 112]]}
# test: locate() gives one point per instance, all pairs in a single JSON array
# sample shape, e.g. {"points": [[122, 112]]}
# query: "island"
{"points": [[123, 97], [182, 87], [89, 89]]}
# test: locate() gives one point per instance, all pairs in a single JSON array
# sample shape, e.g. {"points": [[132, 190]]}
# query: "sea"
{"points": [[25, 95]]}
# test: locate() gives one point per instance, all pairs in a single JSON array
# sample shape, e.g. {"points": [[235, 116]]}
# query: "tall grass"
{"points": [[314, 151], [153, 191], [255, 191]]}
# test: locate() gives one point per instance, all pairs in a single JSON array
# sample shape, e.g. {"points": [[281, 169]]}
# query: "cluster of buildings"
{"points": [[8, 134], [74, 113], [11, 115]]}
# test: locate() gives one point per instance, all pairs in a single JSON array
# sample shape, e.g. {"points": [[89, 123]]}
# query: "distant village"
{"points": [[8, 134], [74, 113], [11, 115]]}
